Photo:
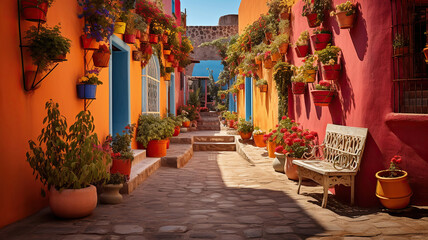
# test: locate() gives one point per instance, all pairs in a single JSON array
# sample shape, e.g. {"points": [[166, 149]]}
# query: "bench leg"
{"points": [[325, 196], [352, 190], [300, 181]]}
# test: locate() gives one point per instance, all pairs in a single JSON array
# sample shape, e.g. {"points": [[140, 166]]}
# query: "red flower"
{"points": [[294, 128], [284, 117], [284, 151], [297, 140], [294, 135], [292, 121], [309, 137], [279, 149], [314, 133], [302, 143], [274, 131], [283, 130], [276, 125]]}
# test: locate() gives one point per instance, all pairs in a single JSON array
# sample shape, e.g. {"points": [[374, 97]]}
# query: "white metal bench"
{"points": [[338, 161]]}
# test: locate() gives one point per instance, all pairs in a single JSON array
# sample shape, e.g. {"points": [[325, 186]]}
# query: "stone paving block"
{"points": [[253, 233], [175, 229], [83, 237], [203, 235], [249, 219], [127, 229], [278, 229]]}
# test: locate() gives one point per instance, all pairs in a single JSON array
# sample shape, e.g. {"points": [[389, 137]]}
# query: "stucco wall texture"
{"points": [[364, 98]]}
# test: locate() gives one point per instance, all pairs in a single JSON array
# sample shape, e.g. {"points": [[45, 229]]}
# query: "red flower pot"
{"points": [[130, 38], [241, 86], [122, 166], [101, 59], [302, 51], [231, 123], [170, 58], [313, 20], [153, 38], [298, 88], [323, 37], [156, 148], [322, 97], [331, 72], [138, 34], [164, 39], [245, 136], [176, 131], [259, 141], [89, 43], [33, 11], [180, 69], [186, 124], [318, 45]]}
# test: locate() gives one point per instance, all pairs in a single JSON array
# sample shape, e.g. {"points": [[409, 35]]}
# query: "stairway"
{"points": [[209, 121], [214, 143]]}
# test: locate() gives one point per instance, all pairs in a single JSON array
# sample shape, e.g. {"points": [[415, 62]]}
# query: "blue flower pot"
{"points": [[86, 91]]}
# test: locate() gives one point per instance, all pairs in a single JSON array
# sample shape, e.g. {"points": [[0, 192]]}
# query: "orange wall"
{"points": [[22, 112], [250, 11]]}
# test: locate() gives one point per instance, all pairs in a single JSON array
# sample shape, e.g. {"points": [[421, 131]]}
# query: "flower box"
{"points": [[322, 98]]}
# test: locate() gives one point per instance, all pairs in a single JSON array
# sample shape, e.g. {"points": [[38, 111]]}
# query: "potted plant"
{"points": [[400, 45], [284, 27], [281, 43], [35, 10], [298, 81], [314, 11], [321, 38], [262, 84], [122, 154], [130, 35], [99, 19], [231, 119], [152, 134], [258, 135], [267, 60], [345, 14], [329, 58], [392, 186], [245, 129], [67, 162], [323, 93], [271, 145], [101, 57], [309, 68], [240, 82], [286, 6], [222, 94], [111, 194], [302, 44], [47, 46], [276, 139], [87, 87]]}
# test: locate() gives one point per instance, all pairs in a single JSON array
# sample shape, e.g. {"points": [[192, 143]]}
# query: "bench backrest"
{"points": [[344, 146]]}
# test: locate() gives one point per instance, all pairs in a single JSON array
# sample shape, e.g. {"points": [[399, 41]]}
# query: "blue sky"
{"points": [[207, 12]]}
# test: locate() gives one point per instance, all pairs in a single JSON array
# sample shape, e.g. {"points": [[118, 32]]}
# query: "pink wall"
{"points": [[365, 100]]}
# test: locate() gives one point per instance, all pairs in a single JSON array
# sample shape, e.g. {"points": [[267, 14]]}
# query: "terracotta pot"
{"points": [[171, 58], [101, 59], [156, 148], [89, 43], [258, 140], [271, 149], [268, 37], [345, 21], [302, 51], [393, 193], [73, 203], [111, 194], [138, 34], [186, 124], [166, 52], [245, 136], [279, 162], [267, 63], [130, 38], [283, 48], [223, 96], [176, 131], [122, 166], [119, 27], [258, 61], [34, 11], [298, 88], [153, 38], [318, 45], [241, 86], [275, 57], [284, 15], [331, 72], [322, 98], [167, 77], [310, 75], [231, 123], [313, 20], [290, 169], [263, 88], [137, 55]]}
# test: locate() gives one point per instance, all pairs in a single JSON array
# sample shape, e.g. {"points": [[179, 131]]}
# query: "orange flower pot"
{"points": [[271, 149], [283, 48], [122, 166], [231, 123], [267, 63], [156, 148], [245, 136], [89, 43], [393, 193], [275, 57], [186, 124], [101, 59], [176, 131], [344, 20], [263, 88], [290, 169], [73, 203], [258, 140]]}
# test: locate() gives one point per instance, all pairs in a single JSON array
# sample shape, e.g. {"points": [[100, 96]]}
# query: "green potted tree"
{"points": [[67, 162], [47, 46], [345, 14], [262, 84], [111, 190], [323, 93], [329, 58], [87, 87], [35, 10], [302, 44], [245, 129], [122, 154], [314, 11]]}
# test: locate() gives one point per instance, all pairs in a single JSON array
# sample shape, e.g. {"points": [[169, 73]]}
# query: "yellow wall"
{"points": [[241, 103], [249, 11]]}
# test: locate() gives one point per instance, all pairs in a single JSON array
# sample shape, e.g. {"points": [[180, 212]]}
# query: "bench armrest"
{"points": [[312, 155]]}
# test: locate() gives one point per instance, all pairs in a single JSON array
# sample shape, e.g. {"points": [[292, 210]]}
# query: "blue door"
{"points": [[172, 95], [248, 98]]}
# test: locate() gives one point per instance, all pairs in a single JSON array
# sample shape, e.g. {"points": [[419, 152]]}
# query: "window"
{"points": [[409, 19], [150, 87]]}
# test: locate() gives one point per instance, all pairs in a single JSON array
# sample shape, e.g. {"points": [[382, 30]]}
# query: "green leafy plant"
{"points": [[121, 144], [69, 159], [258, 131], [303, 39], [399, 41], [347, 7], [152, 127], [316, 6], [261, 82], [320, 30], [230, 116], [116, 178], [46, 44], [245, 126], [282, 76], [329, 55]]}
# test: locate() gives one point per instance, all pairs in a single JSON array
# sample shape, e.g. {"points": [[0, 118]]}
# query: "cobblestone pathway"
{"points": [[219, 195]]}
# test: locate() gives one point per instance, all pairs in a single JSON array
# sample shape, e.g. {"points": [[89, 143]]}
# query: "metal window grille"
{"points": [[409, 26], [151, 82]]}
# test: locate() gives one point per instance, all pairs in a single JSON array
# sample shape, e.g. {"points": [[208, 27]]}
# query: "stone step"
{"points": [[205, 127], [227, 139], [140, 172], [209, 114], [214, 146], [139, 155], [209, 123], [208, 119], [181, 140], [178, 155]]}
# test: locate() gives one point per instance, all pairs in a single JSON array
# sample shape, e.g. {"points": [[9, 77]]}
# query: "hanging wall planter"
{"points": [[283, 48], [119, 27], [171, 58], [130, 38], [313, 20], [267, 63], [275, 57], [331, 72], [101, 57], [321, 40], [263, 88], [298, 88], [166, 52], [153, 38], [164, 39], [89, 43], [34, 11], [344, 20], [137, 55], [322, 98], [302, 51], [86, 91], [309, 76], [144, 38]]}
